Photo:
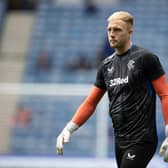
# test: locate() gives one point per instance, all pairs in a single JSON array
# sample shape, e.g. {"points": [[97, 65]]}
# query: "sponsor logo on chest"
{"points": [[118, 81]]}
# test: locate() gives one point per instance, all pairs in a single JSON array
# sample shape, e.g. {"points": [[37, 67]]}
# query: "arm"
{"points": [[82, 114], [161, 87], [87, 108]]}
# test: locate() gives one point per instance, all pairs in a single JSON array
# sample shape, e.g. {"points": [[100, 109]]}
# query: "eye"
{"points": [[109, 29], [117, 29]]}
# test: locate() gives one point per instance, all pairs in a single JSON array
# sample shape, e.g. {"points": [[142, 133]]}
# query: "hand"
{"points": [[64, 136], [164, 147]]}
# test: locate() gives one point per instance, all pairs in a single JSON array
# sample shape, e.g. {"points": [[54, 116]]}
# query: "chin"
{"points": [[113, 45]]}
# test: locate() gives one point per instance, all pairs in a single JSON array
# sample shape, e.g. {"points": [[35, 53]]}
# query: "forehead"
{"points": [[116, 23]]}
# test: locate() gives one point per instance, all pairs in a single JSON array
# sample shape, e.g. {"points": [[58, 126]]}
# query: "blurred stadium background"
{"points": [[49, 52]]}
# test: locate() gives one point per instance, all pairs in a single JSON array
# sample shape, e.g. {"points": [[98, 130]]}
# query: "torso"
{"points": [[131, 95]]}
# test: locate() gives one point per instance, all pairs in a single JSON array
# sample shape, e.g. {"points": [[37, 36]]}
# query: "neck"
{"points": [[123, 49]]}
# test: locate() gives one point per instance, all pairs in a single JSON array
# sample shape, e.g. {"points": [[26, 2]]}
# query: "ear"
{"points": [[131, 31]]}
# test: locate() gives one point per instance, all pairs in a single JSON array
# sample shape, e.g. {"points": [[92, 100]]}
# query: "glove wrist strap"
{"points": [[166, 130], [71, 127]]}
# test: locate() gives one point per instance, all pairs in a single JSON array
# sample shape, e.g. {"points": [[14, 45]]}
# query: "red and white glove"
{"points": [[164, 147], [64, 136]]}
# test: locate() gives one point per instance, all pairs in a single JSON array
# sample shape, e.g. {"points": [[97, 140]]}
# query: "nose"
{"points": [[111, 34]]}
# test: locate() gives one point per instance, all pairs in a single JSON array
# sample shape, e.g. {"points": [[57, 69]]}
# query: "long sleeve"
{"points": [[161, 87], [87, 108]]}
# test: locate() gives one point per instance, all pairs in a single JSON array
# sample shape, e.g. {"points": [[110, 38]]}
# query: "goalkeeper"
{"points": [[131, 76]]}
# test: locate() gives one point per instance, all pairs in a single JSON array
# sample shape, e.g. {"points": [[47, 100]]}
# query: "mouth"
{"points": [[113, 41]]}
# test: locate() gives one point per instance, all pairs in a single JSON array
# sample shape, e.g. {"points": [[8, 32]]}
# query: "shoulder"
{"points": [[143, 53], [140, 50], [106, 62], [109, 59]]}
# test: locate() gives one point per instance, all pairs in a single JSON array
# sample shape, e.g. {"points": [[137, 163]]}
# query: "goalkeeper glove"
{"points": [[64, 136], [164, 147]]}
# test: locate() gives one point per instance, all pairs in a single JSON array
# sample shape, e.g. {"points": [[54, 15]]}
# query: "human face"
{"points": [[119, 35]]}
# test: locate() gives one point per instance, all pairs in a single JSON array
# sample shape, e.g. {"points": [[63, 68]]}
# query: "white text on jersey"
{"points": [[118, 81]]}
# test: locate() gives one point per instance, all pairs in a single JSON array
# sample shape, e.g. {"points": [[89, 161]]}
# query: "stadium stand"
{"points": [[64, 32], [46, 121], [2, 13]]}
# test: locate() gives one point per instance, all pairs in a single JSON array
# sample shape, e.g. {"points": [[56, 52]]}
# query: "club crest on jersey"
{"points": [[130, 64]]}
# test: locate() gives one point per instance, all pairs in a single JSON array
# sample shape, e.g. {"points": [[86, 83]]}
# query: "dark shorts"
{"points": [[135, 156]]}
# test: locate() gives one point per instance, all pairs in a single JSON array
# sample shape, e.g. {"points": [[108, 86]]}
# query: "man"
{"points": [[131, 76]]}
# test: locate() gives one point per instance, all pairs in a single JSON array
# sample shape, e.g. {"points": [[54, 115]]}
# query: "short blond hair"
{"points": [[122, 15]]}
